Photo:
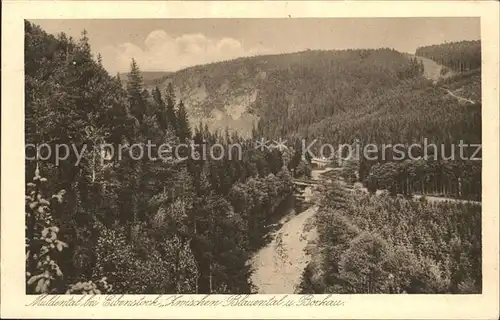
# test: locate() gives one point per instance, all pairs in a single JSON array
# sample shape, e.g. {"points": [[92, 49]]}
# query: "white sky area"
{"points": [[160, 49], [173, 44]]}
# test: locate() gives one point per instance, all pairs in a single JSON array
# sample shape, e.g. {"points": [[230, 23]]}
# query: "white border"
{"points": [[484, 306]]}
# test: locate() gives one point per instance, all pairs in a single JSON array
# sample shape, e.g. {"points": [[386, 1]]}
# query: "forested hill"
{"points": [[237, 93], [336, 95], [370, 101], [378, 96]]}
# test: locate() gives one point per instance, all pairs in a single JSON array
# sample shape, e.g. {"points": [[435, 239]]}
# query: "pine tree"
{"points": [[84, 47], [206, 131], [134, 90], [160, 109], [99, 60], [171, 116], [183, 128], [254, 132]]}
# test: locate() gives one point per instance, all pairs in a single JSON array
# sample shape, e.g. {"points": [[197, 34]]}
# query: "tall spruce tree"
{"points": [[134, 90], [183, 128], [160, 109], [170, 107]]}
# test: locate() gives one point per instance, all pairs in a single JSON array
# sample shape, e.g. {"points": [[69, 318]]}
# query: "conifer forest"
{"points": [[225, 215]]}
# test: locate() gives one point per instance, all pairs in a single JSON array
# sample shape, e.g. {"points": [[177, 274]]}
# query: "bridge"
{"points": [[305, 183], [321, 162]]}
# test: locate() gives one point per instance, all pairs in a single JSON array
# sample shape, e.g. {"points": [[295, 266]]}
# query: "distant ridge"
{"points": [[295, 93], [151, 78]]}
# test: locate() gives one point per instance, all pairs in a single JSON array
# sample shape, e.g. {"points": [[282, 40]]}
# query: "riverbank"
{"points": [[278, 267]]}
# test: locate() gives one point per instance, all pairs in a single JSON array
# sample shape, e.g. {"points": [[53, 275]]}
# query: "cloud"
{"points": [[162, 52]]}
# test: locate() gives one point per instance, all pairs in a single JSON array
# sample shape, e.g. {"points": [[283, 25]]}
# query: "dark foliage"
{"points": [[153, 225]]}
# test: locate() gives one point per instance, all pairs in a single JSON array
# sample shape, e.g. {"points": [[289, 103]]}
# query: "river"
{"points": [[279, 265]]}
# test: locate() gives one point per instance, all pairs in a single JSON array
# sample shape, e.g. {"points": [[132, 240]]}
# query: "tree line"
{"points": [[455, 179]]}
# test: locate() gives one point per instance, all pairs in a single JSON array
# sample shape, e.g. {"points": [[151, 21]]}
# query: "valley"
{"points": [[222, 214]]}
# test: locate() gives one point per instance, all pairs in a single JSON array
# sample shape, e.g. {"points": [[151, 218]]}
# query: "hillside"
{"points": [[456, 67], [239, 92], [466, 85], [348, 88]]}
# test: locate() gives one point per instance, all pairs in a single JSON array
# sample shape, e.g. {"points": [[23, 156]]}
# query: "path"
{"points": [[458, 97], [443, 199], [432, 71], [278, 267]]}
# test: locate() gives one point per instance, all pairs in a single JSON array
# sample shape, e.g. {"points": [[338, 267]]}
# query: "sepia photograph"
{"points": [[199, 156], [230, 157]]}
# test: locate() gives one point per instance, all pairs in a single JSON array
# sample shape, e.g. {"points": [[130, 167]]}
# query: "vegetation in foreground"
{"points": [[384, 244]]}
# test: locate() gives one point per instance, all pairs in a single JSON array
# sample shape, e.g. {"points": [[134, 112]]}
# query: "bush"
{"points": [[43, 248]]}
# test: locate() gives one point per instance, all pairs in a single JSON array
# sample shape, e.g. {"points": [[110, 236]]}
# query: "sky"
{"points": [[174, 44]]}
